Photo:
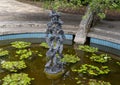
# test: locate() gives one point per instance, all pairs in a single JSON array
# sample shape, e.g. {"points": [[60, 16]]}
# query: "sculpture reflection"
{"points": [[54, 38]]}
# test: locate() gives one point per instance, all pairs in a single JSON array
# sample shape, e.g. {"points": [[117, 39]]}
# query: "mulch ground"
{"points": [[113, 15], [110, 14]]}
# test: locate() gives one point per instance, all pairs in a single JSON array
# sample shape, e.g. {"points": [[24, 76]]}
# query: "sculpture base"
{"points": [[53, 74]]}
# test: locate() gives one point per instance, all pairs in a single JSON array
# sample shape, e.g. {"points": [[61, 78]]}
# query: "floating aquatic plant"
{"points": [[24, 53], [91, 82], [20, 44], [40, 55], [17, 79], [92, 70], [78, 81], [95, 82], [43, 44], [14, 66], [118, 63], [87, 48], [70, 58], [3, 52], [103, 58]]}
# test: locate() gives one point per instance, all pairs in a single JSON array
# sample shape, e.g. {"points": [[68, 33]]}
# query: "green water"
{"points": [[35, 67]]}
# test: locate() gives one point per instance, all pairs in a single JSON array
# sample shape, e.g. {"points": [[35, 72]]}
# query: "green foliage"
{"points": [[24, 53], [3, 52], [92, 70], [76, 2], [87, 48], [44, 45], [57, 4], [95, 82], [100, 6], [78, 81], [17, 79], [70, 58], [118, 63], [103, 58], [40, 55], [97, 6], [101, 15], [20, 44], [14, 66]]}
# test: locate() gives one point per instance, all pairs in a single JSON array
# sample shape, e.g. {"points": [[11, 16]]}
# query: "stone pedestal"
{"points": [[54, 75]]}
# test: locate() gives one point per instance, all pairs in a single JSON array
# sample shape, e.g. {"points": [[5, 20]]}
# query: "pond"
{"points": [[37, 60]]}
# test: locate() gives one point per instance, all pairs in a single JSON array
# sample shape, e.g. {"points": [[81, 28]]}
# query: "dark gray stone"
{"points": [[54, 35]]}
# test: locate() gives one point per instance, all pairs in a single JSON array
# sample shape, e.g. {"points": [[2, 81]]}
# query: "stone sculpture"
{"points": [[54, 38]]}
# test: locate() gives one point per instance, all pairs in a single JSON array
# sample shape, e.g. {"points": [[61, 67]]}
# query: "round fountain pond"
{"points": [[36, 64]]}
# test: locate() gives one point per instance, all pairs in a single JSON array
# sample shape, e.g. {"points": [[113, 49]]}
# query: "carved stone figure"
{"points": [[54, 38]]}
